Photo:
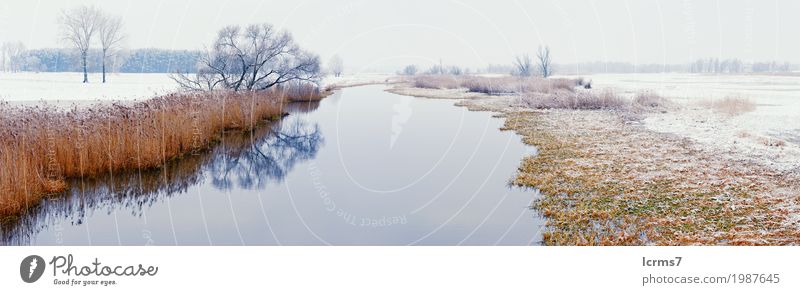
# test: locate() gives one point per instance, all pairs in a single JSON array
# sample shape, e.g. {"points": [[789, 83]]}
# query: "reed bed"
{"points": [[585, 100], [437, 81], [42, 147], [512, 85], [495, 85], [303, 92]]}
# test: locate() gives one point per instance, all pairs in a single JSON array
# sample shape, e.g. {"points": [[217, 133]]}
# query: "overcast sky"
{"points": [[374, 35]]}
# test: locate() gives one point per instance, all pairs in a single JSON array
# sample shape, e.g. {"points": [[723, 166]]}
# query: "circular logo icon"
{"points": [[31, 268]]}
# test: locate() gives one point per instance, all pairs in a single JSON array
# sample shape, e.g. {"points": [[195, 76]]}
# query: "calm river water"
{"points": [[362, 167]]}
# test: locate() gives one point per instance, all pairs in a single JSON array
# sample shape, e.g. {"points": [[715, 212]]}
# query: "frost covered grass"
{"points": [[731, 105], [43, 146], [649, 99], [437, 81], [606, 183], [511, 85], [502, 85], [583, 100]]}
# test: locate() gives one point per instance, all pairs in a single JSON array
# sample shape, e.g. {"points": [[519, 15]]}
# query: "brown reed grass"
{"points": [[42, 146], [730, 105]]}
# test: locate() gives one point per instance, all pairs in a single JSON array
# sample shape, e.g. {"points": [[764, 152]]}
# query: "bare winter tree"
{"points": [[336, 65], [410, 70], [254, 58], [78, 27], [545, 65], [10, 52], [523, 66], [111, 37]]}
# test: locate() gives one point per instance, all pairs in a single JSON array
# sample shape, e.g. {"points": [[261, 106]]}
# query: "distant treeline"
{"points": [[150, 60], [709, 65]]}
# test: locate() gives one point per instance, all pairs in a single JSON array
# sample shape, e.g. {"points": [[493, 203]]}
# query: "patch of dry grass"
{"points": [[648, 99], [437, 81], [43, 146], [592, 100], [731, 106], [511, 85], [303, 92], [494, 85], [582, 100]]}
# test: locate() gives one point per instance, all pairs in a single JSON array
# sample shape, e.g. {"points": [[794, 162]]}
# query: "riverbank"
{"points": [[606, 179], [43, 146]]}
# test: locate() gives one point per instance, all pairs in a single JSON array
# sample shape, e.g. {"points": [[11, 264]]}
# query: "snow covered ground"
{"points": [[770, 134], [346, 80], [66, 88], [27, 87]]}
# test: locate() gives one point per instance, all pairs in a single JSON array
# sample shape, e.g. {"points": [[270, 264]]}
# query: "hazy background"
{"points": [[384, 35]]}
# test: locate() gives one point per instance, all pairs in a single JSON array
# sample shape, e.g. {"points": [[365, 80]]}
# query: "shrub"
{"points": [[649, 99], [510, 85], [730, 105], [583, 100], [437, 82]]}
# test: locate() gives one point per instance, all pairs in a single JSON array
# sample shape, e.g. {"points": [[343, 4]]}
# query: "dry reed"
{"points": [[731, 106], [43, 146], [583, 100]]}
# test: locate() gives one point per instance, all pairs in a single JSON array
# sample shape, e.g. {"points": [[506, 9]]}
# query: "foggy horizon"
{"points": [[385, 35]]}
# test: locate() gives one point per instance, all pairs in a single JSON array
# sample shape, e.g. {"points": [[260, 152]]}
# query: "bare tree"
{"points": [[255, 58], [523, 66], [410, 70], [545, 65], [336, 65], [78, 26], [11, 52], [111, 37]]}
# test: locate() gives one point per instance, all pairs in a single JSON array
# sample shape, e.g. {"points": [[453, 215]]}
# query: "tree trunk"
{"points": [[104, 66], [85, 72]]}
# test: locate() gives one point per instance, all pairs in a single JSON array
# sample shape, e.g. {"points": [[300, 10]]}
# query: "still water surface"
{"points": [[362, 167]]}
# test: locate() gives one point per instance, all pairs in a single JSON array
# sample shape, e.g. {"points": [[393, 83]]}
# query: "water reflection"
{"points": [[393, 170], [243, 160], [257, 164]]}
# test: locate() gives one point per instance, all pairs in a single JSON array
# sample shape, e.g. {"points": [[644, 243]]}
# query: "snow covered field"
{"points": [[66, 88], [347, 80], [769, 134]]}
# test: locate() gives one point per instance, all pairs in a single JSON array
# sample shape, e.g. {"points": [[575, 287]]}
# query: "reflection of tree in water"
{"points": [[269, 159], [246, 159]]}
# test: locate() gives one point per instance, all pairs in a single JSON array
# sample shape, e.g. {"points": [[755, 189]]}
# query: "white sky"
{"points": [[372, 35]]}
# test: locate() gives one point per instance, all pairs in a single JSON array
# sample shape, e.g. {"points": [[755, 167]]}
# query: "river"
{"points": [[361, 167]]}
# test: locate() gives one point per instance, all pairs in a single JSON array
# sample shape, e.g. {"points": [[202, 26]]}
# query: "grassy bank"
{"points": [[608, 183], [606, 180], [42, 147]]}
